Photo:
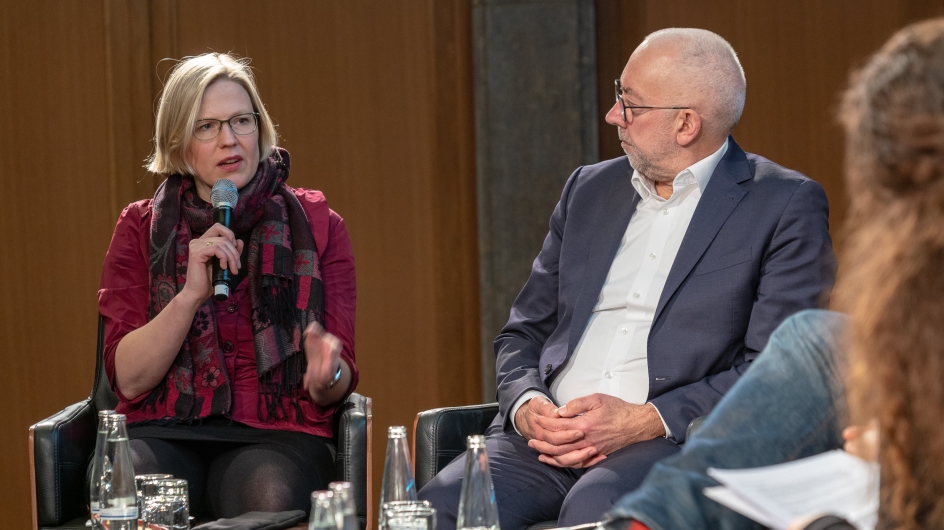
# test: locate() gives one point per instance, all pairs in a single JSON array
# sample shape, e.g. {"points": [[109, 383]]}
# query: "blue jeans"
{"points": [[790, 404]]}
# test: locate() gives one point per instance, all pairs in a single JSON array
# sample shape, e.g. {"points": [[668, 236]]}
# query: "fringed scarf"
{"points": [[284, 287]]}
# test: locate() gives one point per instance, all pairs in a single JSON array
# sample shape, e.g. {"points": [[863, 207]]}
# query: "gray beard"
{"points": [[645, 166]]}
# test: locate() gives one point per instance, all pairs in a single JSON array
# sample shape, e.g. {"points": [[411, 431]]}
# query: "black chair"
{"points": [[61, 446], [439, 436]]}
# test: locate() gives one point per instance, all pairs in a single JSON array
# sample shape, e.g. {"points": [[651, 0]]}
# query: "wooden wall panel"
{"points": [[55, 220], [796, 54], [372, 99]]}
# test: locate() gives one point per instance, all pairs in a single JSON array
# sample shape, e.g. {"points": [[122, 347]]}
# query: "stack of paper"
{"points": [[833, 483]]}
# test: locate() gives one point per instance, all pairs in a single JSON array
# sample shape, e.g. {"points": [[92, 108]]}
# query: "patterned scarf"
{"points": [[284, 287]]}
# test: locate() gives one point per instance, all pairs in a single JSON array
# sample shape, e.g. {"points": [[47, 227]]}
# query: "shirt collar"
{"points": [[700, 172]]}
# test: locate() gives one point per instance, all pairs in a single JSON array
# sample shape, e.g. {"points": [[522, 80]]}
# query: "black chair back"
{"points": [[102, 396]]}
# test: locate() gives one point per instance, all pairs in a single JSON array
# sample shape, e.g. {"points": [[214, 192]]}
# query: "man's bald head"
{"points": [[703, 68]]}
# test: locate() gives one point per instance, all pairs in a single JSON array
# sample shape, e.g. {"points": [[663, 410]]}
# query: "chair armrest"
{"points": [[439, 436], [59, 450], [354, 452]]}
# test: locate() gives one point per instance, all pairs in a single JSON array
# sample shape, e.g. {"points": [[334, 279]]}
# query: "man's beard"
{"points": [[645, 163]]}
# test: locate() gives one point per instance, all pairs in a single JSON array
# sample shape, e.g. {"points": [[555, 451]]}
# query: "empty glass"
{"points": [[410, 516], [324, 513]]}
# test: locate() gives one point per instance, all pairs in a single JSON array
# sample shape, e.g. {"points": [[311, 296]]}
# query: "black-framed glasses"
{"points": [[619, 98], [240, 124]]}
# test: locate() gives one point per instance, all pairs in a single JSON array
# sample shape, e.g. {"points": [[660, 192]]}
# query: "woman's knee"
{"points": [[265, 478]]}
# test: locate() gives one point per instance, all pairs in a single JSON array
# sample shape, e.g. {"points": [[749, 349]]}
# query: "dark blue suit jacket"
{"points": [[757, 250]]}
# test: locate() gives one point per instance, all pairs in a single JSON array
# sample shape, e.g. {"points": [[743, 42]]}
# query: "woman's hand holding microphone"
{"points": [[217, 242]]}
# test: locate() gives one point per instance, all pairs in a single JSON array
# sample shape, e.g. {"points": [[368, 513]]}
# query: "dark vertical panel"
{"points": [[535, 90]]}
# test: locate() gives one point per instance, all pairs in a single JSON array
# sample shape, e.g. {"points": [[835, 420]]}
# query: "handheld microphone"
{"points": [[223, 196]]}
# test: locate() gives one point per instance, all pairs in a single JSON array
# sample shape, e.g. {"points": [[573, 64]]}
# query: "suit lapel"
{"points": [[720, 198], [611, 220]]}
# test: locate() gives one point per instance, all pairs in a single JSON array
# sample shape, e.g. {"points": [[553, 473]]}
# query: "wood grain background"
{"points": [[374, 101]]}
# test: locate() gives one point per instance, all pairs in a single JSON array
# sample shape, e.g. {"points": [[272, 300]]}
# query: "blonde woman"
{"points": [[235, 396]]}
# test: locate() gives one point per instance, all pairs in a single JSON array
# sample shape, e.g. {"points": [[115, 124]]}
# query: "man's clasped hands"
{"points": [[586, 429]]}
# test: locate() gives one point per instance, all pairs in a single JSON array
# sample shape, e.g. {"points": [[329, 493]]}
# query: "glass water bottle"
{"points": [[118, 509], [477, 509], [95, 483], [398, 484]]}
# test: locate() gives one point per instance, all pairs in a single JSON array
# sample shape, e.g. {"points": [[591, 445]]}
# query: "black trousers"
{"points": [[232, 468]]}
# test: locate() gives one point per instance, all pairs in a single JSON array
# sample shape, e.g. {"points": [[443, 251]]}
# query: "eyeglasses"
{"points": [[240, 124], [619, 98]]}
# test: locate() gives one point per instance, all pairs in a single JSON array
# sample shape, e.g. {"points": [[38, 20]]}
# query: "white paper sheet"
{"points": [[723, 495], [834, 483]]}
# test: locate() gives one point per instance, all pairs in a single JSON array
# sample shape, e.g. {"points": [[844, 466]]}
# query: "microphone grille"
{"points": [[224, 194]]}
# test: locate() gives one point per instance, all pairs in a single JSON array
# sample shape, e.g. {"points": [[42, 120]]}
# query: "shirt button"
{"points": [[228, 347], [609, 375], [635, 295], [652, 256], [665, 212], [231, 308], [624, 331]]}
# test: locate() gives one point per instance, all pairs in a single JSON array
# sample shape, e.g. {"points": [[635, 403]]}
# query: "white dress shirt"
{"points": [[612, 355]]}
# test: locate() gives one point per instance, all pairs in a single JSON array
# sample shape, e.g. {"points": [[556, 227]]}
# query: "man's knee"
{"points": [[605, 483], [586, 502]]}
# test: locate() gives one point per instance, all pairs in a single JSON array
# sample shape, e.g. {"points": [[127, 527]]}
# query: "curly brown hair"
{"points": [[892, 280]]}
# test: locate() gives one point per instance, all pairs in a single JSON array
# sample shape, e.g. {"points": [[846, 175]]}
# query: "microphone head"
{"points": [[224, 194]]}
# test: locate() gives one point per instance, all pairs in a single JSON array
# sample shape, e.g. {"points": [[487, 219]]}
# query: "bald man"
{"points": [[661, 278]]}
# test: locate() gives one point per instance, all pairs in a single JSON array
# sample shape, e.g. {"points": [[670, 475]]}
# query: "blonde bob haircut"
{"points": [[180, 102]]}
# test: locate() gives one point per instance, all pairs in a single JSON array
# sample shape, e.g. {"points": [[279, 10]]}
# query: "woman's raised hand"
{"points": [[218, 242], [323, 351]]}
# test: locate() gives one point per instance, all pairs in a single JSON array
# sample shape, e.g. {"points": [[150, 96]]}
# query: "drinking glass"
{"points": [[410, 517], [399, 505], [324, 514], [344, 505], [166, 512], [166, 504], [146, 486]]}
